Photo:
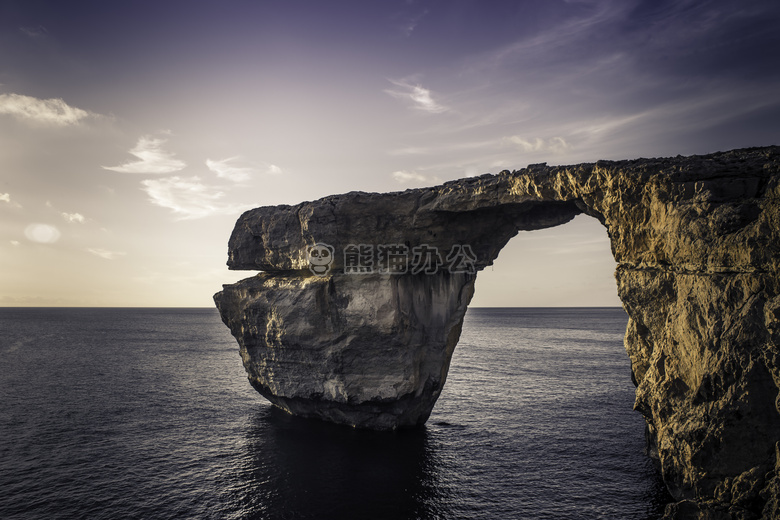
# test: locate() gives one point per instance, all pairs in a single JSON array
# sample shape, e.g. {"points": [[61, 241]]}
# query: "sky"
{"points": [[133, 134]]}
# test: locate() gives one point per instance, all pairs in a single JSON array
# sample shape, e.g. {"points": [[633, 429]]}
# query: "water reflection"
{"points": [[536, 421], [299, 468]]}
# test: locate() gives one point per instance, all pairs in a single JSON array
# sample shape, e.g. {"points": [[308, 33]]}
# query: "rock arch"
{"points": [[696, 240]]}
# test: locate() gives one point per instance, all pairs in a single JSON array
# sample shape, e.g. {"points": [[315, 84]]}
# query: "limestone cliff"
{"points": [[696, 242]]}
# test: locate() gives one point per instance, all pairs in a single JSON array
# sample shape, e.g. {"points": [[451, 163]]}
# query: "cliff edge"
{"points": [[360, 303]]}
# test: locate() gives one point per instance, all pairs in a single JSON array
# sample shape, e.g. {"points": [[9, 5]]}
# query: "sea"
{"points": [[147, 414]]}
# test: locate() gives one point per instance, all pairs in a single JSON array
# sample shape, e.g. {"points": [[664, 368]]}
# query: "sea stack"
{"points": [[360, 302]]}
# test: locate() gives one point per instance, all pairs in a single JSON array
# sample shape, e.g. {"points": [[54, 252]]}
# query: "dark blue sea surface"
{"points": [[147, 413]]}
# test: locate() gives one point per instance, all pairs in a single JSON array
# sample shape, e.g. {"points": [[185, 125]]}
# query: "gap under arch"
{"points": [[570, 265]]}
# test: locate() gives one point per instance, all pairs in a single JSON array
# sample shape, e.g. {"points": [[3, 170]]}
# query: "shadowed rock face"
{"points": [[370, 351], [696, 242]]}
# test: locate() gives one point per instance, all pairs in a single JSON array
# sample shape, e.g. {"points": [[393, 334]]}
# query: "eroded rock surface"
{"points": [[696, 242], [370, 351]]}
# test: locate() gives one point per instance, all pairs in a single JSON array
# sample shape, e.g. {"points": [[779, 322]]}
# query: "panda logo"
{"points": [[320, 258]]}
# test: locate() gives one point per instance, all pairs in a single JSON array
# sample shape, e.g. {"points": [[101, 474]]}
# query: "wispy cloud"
{"points": [[189, 197], [273, 169], [151, 158], [54, 112], [410, 24], [537, 144], [37, 32], [105, 253], [228, 169], [5, 197], [73, 217], [232, 170], [413, 177], [562, 36], [421, 97]]}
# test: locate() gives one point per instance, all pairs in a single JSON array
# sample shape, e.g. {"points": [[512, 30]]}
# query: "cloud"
{"points": [[410, 24], [36, 32], [420, 96], [73, 217], [42, 233], [407, 177], [152, 158], [553, 144], [15, 243], [5, 197], [53, 112], [106, 254], [227, 169], [188, 197], [273, 170], [567, 31]]}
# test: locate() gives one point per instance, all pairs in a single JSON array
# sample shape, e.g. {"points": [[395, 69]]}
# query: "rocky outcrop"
{"points": [[696, 241], [370, 351]]}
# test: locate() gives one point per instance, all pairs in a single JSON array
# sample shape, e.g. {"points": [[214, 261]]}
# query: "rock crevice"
{"points": [[696, 245]]}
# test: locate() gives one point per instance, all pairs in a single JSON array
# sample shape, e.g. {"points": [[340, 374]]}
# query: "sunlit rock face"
{"points": [[696, 244]]}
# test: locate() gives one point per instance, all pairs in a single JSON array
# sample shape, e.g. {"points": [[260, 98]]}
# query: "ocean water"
{"points": [[147, 413]]}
